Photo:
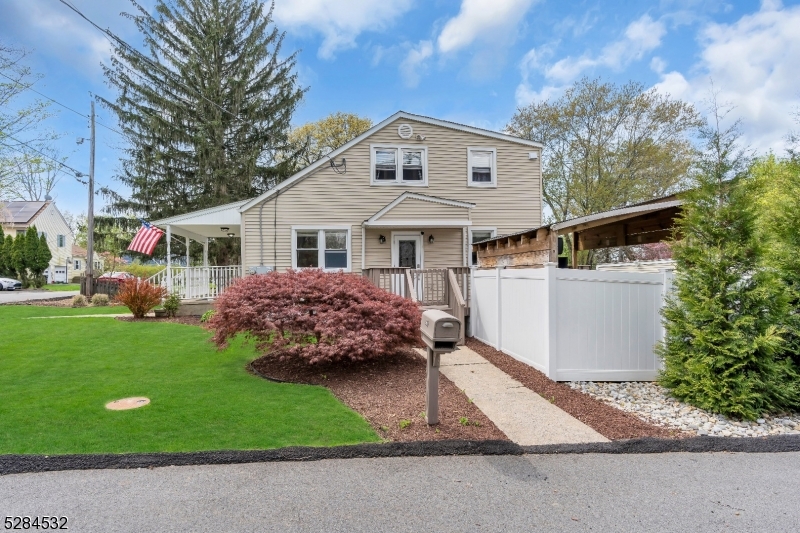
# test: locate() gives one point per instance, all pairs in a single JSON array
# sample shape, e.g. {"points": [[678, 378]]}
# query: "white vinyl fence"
{"points": [[572, 324]]}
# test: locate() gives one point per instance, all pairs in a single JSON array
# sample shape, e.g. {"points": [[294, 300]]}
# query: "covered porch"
{"points": [[199, 281]]}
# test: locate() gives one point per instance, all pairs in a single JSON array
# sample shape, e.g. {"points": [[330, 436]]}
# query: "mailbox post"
{"points": [[440, 333]]}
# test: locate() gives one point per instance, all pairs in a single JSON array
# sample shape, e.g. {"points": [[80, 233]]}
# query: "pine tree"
{"points": [[723, 349], [3, 260], [31, 254], [205, 110]]}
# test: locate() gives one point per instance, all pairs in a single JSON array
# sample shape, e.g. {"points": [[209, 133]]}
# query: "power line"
{"points": [[28, 87], [77, 173]]}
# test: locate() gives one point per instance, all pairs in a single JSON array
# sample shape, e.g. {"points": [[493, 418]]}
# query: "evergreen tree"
{"points": [[43, 257], [3, 260], [31, 254], [207, 108], [18, 259], [724, 347], [8, 262]]}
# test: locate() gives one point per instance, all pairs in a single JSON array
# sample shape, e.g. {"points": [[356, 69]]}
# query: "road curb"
{"points": [[19, 464]]}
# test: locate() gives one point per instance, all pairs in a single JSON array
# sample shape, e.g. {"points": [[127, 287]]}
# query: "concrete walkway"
{"points": [[108, 315], [524, 416]]}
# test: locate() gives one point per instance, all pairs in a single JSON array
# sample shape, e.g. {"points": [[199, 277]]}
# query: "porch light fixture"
{"points": [[381, 239], [231, 235], [430, 239], [224, 229]]}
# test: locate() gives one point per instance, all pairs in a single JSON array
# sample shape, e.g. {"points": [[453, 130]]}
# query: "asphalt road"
{"points": [[639, 493], [24, 296]]}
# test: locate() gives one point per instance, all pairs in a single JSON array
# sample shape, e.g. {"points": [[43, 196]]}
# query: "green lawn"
{"points": [[62, 287], [56, 375]]}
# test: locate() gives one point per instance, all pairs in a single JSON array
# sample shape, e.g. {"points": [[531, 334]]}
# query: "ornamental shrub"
{"points": [[724, 347], [100, 300], [79, 300], [140, 296], [171, 304], [208, 315], [316, 317]]}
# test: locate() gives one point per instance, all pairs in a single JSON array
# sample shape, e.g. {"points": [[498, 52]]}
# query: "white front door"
{"points": [[406, 250]]}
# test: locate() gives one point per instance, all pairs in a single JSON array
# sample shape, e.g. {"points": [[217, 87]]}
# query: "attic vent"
{"points": [[405, 131]]}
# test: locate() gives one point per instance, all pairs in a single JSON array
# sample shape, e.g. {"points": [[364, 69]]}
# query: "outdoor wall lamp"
{"points": [[231, 235], [224, 229], [381, 239], [430, 239]]}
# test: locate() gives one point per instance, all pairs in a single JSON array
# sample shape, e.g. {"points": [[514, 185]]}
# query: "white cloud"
{"points": [[339, 21], [641, 36], [482, 20], [415, 61], [753, 64]]}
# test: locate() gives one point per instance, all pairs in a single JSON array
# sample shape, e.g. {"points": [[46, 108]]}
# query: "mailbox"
{"points": [[440, 331]]}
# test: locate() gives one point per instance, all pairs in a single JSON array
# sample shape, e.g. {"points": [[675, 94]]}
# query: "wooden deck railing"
{"points": [[445, 288]]}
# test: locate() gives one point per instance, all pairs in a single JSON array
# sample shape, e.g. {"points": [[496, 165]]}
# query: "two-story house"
{"points": [[17, 216], [412, 191]]}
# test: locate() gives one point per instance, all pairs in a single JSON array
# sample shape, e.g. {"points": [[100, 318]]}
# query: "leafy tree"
{"points": [[776, 192], [205, 110], [30, 176], [607, 146], [326, 135], [724, 344]]}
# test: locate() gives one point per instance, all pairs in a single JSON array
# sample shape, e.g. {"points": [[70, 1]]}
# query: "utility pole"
{"points": [[90, 216]]}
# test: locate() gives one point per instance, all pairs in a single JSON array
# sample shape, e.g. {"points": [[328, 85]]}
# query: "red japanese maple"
{"points": [[316, 317]]}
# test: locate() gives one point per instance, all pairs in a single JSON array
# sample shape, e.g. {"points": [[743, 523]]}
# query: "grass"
{"points": [[57, 375], [58, 287]]}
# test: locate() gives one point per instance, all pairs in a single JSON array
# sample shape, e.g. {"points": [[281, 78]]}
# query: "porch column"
{"points": [[205, 252], [169, 259], [188, 240]]}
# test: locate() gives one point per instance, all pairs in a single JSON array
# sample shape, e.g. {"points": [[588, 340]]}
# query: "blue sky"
{"points": [[470, 61]]}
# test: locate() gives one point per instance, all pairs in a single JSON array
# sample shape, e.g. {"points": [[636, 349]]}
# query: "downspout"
{"points": [[275, 232], [363, 245]]}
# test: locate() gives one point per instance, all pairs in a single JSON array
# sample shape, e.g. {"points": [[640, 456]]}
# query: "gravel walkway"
{"points": [[652, 403]]}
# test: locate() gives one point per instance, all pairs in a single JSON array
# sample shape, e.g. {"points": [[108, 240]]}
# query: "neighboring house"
{"points": [[16, 217], [412, 191], [78, 263]]}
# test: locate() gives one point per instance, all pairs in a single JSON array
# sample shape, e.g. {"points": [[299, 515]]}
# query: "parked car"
{"points": [[8, 284], [116, 277]]}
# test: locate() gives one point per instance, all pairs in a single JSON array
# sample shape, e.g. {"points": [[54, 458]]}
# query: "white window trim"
{"points": [[399, 159], [321, 244], [478, 228], [491, 184]]}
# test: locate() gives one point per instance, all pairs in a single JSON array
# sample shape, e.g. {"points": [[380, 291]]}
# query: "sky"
{"points": [[468, 61]]}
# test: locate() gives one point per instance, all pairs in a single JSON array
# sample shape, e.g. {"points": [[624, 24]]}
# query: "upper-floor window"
{"points": [[399, 165], [481, 167], [61, 241], [77, 264]]}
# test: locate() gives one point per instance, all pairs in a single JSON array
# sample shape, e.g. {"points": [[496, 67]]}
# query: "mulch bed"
{"points": [[190, 320], [388, 391], [606, 420], [55, 301]]}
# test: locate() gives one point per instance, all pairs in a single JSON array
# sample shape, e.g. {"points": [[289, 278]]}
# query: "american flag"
{"points": [[146, 239]]}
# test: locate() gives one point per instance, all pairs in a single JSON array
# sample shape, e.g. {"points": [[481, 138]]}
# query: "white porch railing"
{"points": [[197, 282]]}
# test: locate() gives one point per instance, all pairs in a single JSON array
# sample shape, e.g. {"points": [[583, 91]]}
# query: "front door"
{"points": [[407, 250]]}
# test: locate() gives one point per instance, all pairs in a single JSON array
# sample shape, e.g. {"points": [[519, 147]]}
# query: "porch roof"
{"points": [[415, 210], [199, 225]]}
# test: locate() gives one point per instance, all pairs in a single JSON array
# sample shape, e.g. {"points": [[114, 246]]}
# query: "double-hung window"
{"points": [[399, 165], [481, 167], [61, 241], [478, 235], [77, 264], [328, 248]]}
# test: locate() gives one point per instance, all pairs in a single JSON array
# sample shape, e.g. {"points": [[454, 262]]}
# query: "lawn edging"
{"points": [[19, 464]]}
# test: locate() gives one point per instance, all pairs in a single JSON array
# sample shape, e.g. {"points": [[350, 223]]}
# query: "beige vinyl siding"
{"points": [[446, 250], [49, 221], [412, 209], [326, 197]]}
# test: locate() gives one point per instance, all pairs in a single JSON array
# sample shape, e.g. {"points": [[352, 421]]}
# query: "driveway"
{"points": [[656, 492], [7, 297]]}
